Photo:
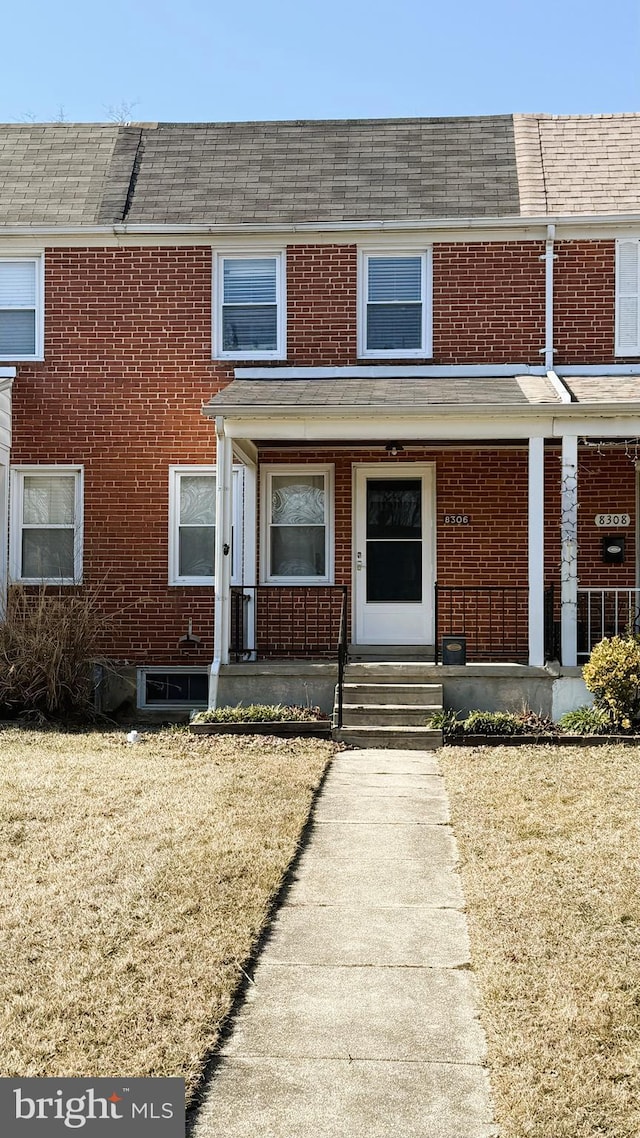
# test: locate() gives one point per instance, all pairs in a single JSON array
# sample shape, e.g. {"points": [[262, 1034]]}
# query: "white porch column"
{"points": [[7, 376], [536, 552], [569, 554], [222, 558]]}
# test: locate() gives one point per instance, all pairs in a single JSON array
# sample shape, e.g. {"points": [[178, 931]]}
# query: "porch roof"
{"points": [[604, 388], [251, 395]]}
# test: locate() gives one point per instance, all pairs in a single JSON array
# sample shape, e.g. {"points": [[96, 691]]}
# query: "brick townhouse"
{"points": [[261, 381]]}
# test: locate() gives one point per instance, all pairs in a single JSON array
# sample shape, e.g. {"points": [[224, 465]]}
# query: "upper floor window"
{"points": [[249, 309], [46, 525], [628, 297], [21, 308], [395, 304]]}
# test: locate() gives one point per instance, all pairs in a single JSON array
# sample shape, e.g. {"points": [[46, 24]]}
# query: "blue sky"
{"points": [[282, 59]]}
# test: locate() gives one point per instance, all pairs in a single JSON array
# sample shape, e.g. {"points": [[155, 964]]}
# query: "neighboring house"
{"points": [[413, 346]]}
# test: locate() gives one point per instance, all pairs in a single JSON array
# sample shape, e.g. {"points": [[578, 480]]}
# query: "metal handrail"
{"points": [[493, 618], [285, 621], [606, 612]]}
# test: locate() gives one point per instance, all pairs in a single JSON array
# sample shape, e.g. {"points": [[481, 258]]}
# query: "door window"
{"points": [[394, 540]]}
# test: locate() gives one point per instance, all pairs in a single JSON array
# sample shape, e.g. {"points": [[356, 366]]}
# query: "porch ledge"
{"points": [[278, 668]]}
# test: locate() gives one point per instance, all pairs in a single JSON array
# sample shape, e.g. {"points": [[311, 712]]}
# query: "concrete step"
{"points": [[401, 738], [368, 694], [389, 714]]}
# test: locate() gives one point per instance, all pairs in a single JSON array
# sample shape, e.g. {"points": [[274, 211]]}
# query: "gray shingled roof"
{"points": [[326, 171], [318, 171], [390, 394], [64, 174]]}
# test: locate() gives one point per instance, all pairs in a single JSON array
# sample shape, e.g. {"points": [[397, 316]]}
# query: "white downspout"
{"points": [[548, 257], [222, 560]]}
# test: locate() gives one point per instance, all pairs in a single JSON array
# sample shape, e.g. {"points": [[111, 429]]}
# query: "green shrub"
{"points": [[492, 723], [586, 721], [446, 721], [612, 675], [259, 713]]}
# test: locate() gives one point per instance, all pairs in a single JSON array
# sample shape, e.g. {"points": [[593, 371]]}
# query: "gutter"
{"points": [[448, 410], [376, 226]]}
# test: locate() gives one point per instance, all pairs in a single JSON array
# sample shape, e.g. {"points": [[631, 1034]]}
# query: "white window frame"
{"points": [[425, 351], [38, 261], [621, 350], [175, 474], [169, 669], [222, 255], [18, 475], [266, 475]]}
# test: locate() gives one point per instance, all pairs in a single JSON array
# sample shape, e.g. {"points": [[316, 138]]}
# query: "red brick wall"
{"points": [[488, 302], [321, 305], [584, 301], [491, 486], [127, 367], [606, 482]]}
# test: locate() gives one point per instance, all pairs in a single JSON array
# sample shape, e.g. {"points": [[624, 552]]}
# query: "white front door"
{"points": [[394, 554]]}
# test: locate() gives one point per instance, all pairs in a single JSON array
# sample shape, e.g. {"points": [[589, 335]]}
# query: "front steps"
{"points": [[388, 705]]}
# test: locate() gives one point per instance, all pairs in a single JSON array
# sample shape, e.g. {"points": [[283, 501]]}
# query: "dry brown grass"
{"points": [[549, 841], [135, 881]]}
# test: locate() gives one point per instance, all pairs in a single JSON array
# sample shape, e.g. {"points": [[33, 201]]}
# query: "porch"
{"points": [[291, 644], [414, 523]]}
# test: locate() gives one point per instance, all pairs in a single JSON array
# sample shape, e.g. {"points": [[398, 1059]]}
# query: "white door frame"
{"points": [[425, 471]]}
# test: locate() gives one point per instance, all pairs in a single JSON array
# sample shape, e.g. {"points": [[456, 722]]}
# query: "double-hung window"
{"points": [[21, 308], [395, 304], [192, 524], [628, 297], [46, 525], [297, 511], [249, 307]]}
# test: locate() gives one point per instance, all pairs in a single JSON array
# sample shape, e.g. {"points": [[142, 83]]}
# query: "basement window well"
{"points": [[178, 689]]}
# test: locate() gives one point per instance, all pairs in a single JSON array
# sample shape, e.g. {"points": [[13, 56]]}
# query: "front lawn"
{"points": [[549, 840], [135, 880]]}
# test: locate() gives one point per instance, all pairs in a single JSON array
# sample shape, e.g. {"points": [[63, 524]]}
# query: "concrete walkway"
{"points": [[362, 1022]]}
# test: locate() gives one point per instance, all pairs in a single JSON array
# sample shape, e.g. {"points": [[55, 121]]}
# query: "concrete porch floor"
{"points": [[491, 687]]}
